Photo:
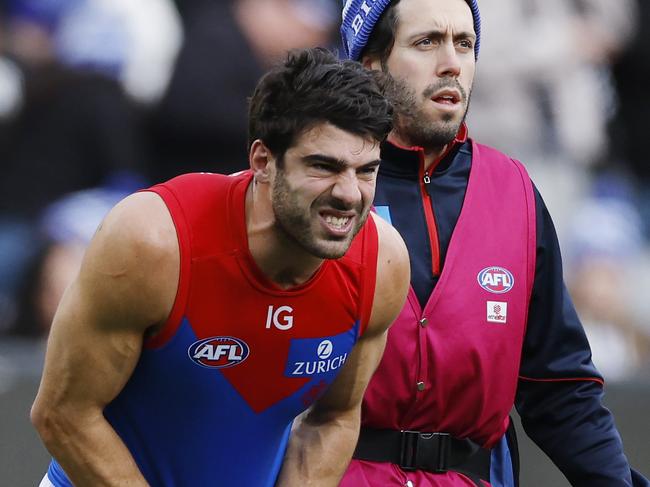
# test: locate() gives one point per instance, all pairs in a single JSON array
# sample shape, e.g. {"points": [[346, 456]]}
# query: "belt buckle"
{"points": [[408, 450], [409, 459]]}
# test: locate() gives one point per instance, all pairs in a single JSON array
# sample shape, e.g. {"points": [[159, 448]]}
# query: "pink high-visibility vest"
{"points": [[453, 367]]}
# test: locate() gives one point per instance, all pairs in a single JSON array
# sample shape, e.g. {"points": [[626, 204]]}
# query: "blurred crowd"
{"points": [[99, 98]]}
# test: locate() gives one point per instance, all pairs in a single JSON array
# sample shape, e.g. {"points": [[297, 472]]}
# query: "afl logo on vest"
{"points": [[218, 352], [496, 280]]}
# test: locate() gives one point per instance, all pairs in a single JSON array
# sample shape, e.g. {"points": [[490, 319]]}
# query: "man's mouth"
{"points": [[446, 97], [338, 224]]}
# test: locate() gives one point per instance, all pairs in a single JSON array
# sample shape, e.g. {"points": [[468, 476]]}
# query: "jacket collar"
{"points": [[407, 161]]}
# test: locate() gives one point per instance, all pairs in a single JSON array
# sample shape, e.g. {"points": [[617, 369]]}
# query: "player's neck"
{"points": [[281, 260]]}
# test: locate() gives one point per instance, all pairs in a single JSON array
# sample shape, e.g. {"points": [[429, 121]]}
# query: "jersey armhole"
{"points": [[370, 253], [185, 252]]}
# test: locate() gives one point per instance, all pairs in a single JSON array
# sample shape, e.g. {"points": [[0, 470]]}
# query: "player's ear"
{"points": [[260, 157]]}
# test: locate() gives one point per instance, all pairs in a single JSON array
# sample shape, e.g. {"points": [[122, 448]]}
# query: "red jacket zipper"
{"points": [[430, 218], [425, 178]]}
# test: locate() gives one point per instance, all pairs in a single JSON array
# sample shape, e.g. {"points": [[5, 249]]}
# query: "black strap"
{"points": [[433, 452]]}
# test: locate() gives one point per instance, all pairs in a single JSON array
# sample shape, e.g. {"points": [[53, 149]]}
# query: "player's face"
{"points": [[322, 195], [433, 62]]}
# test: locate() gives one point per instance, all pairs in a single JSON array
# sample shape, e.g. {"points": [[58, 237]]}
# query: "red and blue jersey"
{"points": [[213, 395]]}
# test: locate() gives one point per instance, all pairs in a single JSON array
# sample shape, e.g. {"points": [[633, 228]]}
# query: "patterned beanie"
{"points": [[360, 17]]}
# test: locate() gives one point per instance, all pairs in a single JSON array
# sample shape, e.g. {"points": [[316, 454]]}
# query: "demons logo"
{"points": [[496, 280], [218, 352]]}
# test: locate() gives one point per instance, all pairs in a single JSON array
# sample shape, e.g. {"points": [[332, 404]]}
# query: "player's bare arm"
{"points": [[125, 288], [329, 429]]}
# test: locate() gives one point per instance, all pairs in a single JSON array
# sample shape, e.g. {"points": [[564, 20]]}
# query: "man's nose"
{"points": [[346, 189], [448, 62]]}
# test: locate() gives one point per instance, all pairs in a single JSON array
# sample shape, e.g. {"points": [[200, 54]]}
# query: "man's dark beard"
{"points": [[294, 223], [411, 122]]}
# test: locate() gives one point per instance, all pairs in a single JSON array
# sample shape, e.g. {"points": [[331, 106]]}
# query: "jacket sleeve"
{"points": [[559, 395]]}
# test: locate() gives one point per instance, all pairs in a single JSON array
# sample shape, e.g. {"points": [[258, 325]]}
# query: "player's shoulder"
{"points": [[390, 241], [393, 275], [203, 181], [132, 263], [140, 224], [393, 256]]}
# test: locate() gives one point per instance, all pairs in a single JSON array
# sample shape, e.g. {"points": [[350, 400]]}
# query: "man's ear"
{"points": [[372, 63], [259, 158]]}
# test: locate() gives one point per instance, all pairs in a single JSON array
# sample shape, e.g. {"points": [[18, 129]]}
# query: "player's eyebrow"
{"points": [[337, 164], [332, 161]]}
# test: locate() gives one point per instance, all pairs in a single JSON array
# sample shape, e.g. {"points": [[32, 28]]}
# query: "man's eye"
{"points": [[424, 43], [322, 167]]}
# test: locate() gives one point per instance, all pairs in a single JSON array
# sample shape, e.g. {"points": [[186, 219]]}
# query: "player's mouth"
{"points": [[338, 224]]}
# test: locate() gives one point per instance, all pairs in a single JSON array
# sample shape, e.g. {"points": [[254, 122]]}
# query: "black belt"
{"points": [[433, 452]]}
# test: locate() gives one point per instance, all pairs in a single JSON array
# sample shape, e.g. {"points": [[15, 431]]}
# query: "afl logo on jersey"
{"points": [[218, 352], [496, 280]]}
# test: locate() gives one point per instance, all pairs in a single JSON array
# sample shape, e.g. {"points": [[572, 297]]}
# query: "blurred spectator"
{"points": [[605, 246], [201, 122], [542, 78], [30, 28], [72, 129], [629, 128], [66, 226], [543, 93], [11, 91], [134, 42]]}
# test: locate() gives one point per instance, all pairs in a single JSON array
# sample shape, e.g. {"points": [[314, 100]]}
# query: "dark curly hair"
{"points": [[311, 87], [382, 39]]}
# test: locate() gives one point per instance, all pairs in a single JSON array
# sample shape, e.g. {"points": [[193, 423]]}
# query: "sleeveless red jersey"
{"points": [[213, 396]]}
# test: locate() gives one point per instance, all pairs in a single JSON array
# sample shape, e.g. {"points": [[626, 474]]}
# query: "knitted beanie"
{"points": [[360, 17]]}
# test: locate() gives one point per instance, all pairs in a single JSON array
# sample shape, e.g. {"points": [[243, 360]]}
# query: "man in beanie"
{"points": [[488, 323]]}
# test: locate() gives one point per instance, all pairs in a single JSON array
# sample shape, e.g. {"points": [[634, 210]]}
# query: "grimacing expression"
{"points": [[433, 65], [322, 195]]}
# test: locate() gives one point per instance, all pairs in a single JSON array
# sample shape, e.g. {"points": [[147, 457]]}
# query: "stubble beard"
{"points": [[415, 125], [296, 225]]}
